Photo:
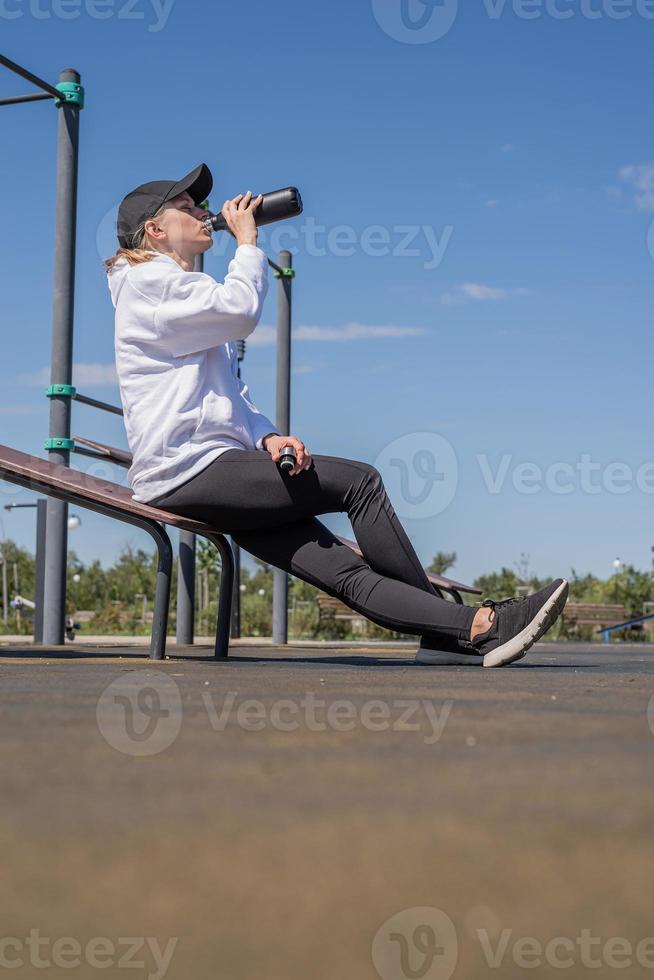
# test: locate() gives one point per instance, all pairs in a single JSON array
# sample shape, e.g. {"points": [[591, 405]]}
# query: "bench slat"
{"points": [[41, 474]]}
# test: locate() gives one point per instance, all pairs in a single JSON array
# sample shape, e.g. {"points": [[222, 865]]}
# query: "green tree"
{"points": [[442, 562], [498, 585]]}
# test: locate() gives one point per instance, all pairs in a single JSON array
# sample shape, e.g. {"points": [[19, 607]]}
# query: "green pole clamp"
{"points": [[63, 391], [71, 93], [204, 204], [51, 444], [288, 273]]}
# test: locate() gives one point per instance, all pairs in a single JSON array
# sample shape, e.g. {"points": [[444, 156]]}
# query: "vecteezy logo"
{"points": [[420, 473], [415, 21], [140, 713], [650, 240], [650, 714], [416, 944], [106, 241]]}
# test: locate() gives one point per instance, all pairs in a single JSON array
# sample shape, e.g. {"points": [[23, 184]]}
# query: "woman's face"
{"points": [[180, 227]]}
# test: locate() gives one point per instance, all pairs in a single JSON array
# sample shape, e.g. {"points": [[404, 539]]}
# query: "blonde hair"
{"points": [[141, 252]]}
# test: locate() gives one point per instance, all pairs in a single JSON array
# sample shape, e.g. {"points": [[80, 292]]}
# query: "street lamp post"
{"points": [[73, 522], [144, 612], [3, 557]]}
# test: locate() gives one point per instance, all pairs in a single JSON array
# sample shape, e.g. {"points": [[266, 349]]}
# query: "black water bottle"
{"points": [[275, 206], [287, 459]]}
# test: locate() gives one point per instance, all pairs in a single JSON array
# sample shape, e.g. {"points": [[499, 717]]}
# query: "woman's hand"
{"points": [[239, 215], [274, 444]]}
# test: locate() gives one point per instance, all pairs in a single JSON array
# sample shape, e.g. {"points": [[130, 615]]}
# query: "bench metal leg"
{"points": [[156, 530], [162, 590], [221, 649]]}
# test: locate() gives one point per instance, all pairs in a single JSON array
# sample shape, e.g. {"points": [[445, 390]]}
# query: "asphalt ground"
{"points": [[326, 813]]}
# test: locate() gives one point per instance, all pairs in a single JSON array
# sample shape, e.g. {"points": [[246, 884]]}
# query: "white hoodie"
{"points": [[176, 360]]}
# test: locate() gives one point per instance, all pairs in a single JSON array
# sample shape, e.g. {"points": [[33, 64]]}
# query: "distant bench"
{"points": [[592, 614]]}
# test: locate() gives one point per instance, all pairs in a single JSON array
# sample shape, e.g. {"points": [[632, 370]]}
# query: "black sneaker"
{"points": [[519, 623]]}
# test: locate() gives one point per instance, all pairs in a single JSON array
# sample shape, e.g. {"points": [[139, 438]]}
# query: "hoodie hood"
{"points": [[116, 278]]}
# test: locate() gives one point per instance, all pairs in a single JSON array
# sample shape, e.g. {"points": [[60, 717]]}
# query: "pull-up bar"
{"points": [[37, 97], [68, 89], [52, 92], [68, 96]]}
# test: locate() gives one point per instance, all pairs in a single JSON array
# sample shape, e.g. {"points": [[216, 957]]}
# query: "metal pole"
{"points": [[41, 514], [235, 628], [185, 626], [280, 577], [185, 588], [235, 619], [61, 359], [17, 591], [4, 587]]}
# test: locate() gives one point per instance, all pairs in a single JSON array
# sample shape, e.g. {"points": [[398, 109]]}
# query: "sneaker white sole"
{"points": [[518, 645]]}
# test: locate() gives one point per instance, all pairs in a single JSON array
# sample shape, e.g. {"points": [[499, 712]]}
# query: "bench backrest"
{"points": [[595, 613]]}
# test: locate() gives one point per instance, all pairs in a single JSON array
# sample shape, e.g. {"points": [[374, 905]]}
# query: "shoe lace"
{"points": [[495, 604]]}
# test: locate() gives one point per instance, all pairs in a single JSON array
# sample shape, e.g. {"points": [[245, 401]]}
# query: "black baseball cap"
{"points": [[145, 200]]}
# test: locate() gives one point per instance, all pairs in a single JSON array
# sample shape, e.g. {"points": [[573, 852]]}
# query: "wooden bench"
{"points": [[592, 614], [112, 500], [451, 588], [328, 606]]}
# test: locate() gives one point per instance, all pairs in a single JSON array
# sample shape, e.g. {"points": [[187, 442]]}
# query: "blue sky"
{"points": [[474, 281]]}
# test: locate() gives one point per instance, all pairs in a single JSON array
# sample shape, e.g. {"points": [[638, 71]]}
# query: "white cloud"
{"points": [[22, 409], [479, 293], [492, 203], [641, 178], [263, 336], [266, 335], [84, 376], [507, 148], [475, 290]]}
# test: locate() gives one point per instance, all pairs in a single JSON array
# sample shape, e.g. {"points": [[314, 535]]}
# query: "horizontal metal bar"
{"points": [[105, 406], [622, 626], [37, 97], [29, 77], [90, 452]]}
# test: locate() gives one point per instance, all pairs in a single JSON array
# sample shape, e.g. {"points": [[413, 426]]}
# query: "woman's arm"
{"points": [[196, 313]]}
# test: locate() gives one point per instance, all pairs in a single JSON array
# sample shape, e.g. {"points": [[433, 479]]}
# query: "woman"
{"points": [[203, 450]]}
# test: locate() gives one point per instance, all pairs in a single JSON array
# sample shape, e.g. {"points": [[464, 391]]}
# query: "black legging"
{"points": [[270, 514]]}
